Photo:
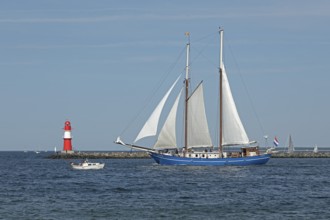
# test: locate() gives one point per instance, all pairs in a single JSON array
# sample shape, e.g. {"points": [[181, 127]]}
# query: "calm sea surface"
{"points": [[32, 187]]}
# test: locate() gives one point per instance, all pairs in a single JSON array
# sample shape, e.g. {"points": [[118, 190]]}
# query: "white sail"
{"points": [[290, 147], [197, 131], [233, 130], [167, 135], [150, 127]]}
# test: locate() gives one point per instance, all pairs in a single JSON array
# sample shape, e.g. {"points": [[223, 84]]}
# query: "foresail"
{"points": [[197, 131], [150, 127], [167, 135], [233, 130]]}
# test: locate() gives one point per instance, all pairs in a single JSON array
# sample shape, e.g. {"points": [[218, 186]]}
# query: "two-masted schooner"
{"points": [[198, 149]]}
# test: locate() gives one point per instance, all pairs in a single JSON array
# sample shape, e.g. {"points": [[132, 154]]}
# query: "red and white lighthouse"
{"points": [[67, 146]]}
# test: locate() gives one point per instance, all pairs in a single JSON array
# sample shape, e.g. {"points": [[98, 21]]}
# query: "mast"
{"points": [[186, 97], [220, 92]]}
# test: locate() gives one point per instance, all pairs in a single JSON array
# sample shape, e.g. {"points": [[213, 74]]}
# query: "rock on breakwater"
{"points": [[301, 155], [100, 155]]}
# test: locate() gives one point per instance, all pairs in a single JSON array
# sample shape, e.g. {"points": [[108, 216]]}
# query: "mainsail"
{"points": [[167, 135], [233, 132], [198, 131], [150, 127]]}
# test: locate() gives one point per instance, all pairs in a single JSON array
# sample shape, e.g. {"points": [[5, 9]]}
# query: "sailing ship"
{"points": [[198, 149], [315, 150], [290, 146]]}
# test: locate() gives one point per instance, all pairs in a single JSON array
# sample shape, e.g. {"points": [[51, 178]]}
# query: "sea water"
{"points": [[32, 187]]}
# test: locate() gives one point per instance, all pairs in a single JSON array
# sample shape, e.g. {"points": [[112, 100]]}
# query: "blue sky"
{"points": [[95, 63]]}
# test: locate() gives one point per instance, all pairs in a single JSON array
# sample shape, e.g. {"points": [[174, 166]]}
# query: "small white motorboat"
{"points": [[86, 165]]}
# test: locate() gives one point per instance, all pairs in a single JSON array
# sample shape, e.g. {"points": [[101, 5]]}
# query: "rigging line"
{"points": [[206, 58], [200, 52], [247, 91], [207, 36], [152, 94]]}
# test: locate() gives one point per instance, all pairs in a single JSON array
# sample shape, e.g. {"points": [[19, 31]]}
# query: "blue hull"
{"points": [[241, 161]]}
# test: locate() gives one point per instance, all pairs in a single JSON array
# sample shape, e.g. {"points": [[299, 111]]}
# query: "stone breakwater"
{"points": [[301, 155], [100, 155], [143, 155]]}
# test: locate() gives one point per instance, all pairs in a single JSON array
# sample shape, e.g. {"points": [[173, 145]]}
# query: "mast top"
{"points": [[188, 36], [221, 48], [188, 51]]}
